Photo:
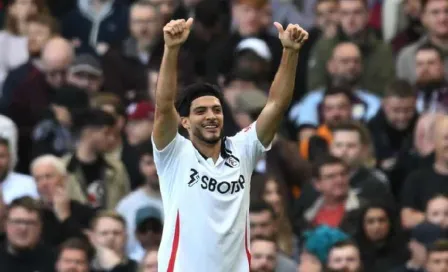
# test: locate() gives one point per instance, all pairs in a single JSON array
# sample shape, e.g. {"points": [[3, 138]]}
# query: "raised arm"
{"points": [[282, 88], [175, 33]]}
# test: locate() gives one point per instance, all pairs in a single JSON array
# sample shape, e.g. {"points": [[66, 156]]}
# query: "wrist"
{"points": [[172, 48], [289, 50]]}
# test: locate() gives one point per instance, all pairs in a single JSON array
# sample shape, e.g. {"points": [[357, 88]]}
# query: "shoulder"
{"points": [[366, 95], [129, 201], [21, 178], [408, 51]]}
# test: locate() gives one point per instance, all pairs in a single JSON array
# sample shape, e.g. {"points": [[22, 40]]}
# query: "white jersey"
{"points": [[206, 205]]}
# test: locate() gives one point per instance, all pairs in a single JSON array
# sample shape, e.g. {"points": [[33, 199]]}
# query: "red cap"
{"points": [[140, 111]]}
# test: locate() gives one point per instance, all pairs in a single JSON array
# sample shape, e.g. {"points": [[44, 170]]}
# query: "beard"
{"points": [[429, 84], [208, 140]]}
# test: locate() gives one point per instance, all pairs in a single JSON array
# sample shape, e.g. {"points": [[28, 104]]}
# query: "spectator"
{"points": [[62, 218], [423, 236], [125, 64], [272, 190], [350, 143], [41, 28], [249, 17], [86, 73], [264, 258], [32, 97], [392, 131], [337, 205], [140, 122], [377, 56], [94, 25], [345, 256], [23, 249], [100, 181], [52, 135], [149, 263], [261, 219], [8, 130], [415, 194], [381, 242], [13, 185], [437, 257], [437, 211], [434, 17], [147, 195], [149, 226], [344, 71], [13, 38], [109, 235], [74, 255], [431, 82], [336, 107], [318, 242]]}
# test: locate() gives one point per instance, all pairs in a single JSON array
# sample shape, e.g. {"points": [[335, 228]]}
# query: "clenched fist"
{"points": [[293, 37], [176, 32]]}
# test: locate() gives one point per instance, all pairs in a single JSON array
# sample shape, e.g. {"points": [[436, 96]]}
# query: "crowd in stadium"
{"points": [[356, 179]]}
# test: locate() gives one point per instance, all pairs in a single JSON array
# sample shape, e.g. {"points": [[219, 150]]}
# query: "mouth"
{"points": [[210, 127]]}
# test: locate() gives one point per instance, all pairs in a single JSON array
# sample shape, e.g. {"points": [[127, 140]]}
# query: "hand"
{"points": [[293, 37], [61, 203], [106, 257], [176, 32]]}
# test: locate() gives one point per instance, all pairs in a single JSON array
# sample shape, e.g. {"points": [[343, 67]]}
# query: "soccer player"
{"points": [[205, 180]]}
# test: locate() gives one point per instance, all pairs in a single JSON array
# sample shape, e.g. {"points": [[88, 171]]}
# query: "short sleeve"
{"points": [[168, 158], [249, 145]]}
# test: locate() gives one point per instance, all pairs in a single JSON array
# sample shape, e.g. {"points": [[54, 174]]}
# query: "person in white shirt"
{"points": [[205, 181]]}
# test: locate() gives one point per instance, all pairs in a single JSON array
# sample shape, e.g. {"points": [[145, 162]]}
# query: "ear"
{"points": [[185, 122]]}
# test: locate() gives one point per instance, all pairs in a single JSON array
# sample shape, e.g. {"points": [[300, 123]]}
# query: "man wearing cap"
{"points": [[140, 122], [422, 237], [86, 73], [249, 18], [149, 225]]}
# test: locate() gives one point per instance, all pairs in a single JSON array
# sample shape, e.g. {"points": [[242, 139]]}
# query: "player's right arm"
{"points": [[175, 33]]}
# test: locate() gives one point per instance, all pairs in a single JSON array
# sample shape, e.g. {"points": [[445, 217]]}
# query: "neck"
{"points": [[441, 167], [150, 191], [208, 150], [22, 27], [85, 154], [330, 201], [441, 42]]}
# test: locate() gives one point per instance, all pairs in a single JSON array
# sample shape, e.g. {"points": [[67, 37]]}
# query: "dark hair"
{"points": [[344, 243], [438, 246], [430, 47], [11, 22], [93, 118], [261, 206], [145, 149], [394, 225], [194, 91], [335, 90], [399, 88], [26, 203], [208, 13], [77, 244], [324, 161], [353, 126], [48, 21]]}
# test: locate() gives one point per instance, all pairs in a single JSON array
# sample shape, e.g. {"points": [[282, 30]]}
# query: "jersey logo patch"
{"points": [[232, 161], [194, 177]]}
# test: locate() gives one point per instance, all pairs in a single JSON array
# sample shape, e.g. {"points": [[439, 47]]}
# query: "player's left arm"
{"points": [[282, 88]]}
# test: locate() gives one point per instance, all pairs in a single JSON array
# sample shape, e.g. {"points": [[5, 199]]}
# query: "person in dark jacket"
{"points": [[62, 218], [392, 129], [23, 250], [52, 135], [381, 241], [94, 25]]}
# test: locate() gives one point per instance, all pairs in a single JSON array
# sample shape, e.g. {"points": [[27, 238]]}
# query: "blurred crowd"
{"points": [[356, 180]]}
